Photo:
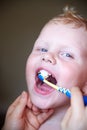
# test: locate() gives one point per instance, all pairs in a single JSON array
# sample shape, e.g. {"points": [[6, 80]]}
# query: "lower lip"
{"points": [[43, 92]]}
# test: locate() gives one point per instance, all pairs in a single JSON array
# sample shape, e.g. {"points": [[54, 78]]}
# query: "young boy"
{"points": [[61, 50]]}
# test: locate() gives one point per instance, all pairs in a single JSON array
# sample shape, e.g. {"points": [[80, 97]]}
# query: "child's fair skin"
{"points": [[61, 50]]}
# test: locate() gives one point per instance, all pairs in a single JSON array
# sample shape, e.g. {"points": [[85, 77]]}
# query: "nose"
{"points": [[49, 58]]}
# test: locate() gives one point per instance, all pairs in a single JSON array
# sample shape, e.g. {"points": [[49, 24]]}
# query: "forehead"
{"points": [[62, 33], [67, 29]]}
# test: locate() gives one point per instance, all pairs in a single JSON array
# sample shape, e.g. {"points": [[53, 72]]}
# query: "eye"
{"points": [[43, 50], [67, 55]]}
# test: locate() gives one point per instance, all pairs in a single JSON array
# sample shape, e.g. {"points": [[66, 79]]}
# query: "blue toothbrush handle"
{"points": [[68, 94], [85, 100]]}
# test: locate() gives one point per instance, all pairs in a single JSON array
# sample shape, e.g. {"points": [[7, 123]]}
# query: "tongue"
{"points": [[44, 87]]}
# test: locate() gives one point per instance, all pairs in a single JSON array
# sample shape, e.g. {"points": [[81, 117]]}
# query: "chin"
{"points": [[43, 104], [40, 105]]}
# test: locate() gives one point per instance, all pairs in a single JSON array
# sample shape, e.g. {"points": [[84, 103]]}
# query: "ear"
{"points": [[84, 89]]}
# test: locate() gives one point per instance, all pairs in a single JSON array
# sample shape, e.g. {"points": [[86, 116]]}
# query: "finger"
{"points": [[20, 106], [36, 121], [66, 118], [29, 103], [44, 110], [77, 102], [29, 126], [44, 116], [35, 110], [32, 119], [12, 106]]}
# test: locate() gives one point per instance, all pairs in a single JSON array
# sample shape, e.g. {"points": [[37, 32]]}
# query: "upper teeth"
{"points": [[44, 73]]}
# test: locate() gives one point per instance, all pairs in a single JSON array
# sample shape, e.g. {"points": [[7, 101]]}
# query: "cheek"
{"points": [[70, 76], [29, 70], [30, 64]]}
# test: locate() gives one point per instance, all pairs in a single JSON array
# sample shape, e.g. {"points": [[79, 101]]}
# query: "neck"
{"points": [[54, 122]]}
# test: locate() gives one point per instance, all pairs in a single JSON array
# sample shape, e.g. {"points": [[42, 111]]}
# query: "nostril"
{"points": [[50, 61], [47, 60], [48, 57], [43, 58]]}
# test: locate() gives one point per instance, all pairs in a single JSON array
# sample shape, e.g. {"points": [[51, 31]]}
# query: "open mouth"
{"points": [[49, 77]]}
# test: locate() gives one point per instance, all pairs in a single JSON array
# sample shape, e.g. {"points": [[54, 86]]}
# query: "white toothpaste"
{"points": [[44, 73]]}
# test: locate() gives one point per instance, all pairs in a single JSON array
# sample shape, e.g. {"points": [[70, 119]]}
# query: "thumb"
{"points": [[20, 106], [77, 102], [66, 118]]}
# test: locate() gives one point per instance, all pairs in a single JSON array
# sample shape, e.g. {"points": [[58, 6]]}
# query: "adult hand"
{"points": [[76, 116]]}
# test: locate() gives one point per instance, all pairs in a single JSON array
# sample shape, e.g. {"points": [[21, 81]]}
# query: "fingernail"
{"points": [[23, 94]]}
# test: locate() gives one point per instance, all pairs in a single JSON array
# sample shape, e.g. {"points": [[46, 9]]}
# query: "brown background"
{"points": [[20, 24]]}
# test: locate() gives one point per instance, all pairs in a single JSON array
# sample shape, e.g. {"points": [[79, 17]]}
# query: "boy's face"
{"points": [[61, 50]]}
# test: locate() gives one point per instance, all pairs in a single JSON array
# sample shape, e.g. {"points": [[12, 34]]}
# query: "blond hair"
{"points": [[70, 16]]}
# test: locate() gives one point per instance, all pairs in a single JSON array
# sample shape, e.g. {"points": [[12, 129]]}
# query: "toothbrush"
{"points": [[43, 75]]}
